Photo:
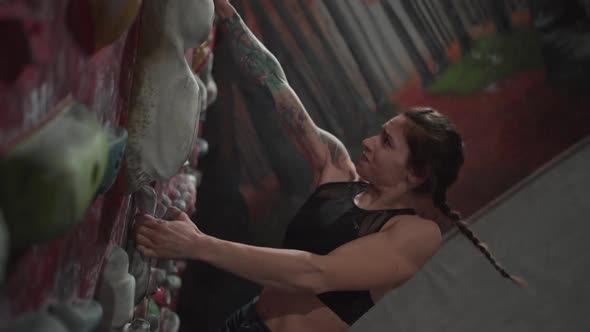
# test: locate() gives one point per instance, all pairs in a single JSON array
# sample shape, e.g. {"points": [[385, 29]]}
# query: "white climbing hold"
{"points": [[170, 321], [116, 291], [166, 98], [79, 315], [173, 282], [137, 325]]}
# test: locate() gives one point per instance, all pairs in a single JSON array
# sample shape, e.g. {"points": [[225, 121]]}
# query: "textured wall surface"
{"points": [[41, 65]]}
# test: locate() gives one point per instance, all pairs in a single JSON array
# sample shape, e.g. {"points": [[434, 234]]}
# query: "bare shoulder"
{"points": [[338, 166], [413, 225], [417, 237]]}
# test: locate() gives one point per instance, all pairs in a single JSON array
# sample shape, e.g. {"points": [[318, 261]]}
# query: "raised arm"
{"points": [[319, 147]]}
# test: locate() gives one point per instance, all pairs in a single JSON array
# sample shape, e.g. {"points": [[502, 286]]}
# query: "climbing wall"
{"points": [[45, 65], [57, 53]]}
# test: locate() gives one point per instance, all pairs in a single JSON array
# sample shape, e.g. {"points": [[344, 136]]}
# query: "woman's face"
{"points": [[385, 155]]}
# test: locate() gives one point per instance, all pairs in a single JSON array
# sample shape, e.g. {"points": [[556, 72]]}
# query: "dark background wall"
{"points": [[491, 66]]}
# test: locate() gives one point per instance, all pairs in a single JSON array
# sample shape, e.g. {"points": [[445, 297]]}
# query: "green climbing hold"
{"points": [[49, 179]]}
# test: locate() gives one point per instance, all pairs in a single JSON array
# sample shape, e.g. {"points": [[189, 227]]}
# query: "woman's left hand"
{"points": [[175, 237]]}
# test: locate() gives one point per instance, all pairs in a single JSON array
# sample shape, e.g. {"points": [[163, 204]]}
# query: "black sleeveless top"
{"points": [[328, 219]]}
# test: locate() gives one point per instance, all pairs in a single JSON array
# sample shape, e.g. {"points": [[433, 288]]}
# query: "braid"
{"points": [[440, 201], [436, 152]]}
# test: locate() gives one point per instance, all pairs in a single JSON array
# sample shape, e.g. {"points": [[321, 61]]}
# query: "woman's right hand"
{"points": [[223, 8], [177, 238]]}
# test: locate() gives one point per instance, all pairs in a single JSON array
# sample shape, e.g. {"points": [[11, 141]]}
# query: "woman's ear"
{"points": [[414, 179]]}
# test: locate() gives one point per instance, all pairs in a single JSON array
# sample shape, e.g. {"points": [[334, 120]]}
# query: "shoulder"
{"points": [[419, 238], [413, 225]]}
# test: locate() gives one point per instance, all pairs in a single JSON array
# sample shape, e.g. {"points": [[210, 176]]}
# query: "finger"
{"points": [[172, 213], [146, 251], [160, 210], [179, 215], [147, 232], [146, 220], [184, 217], [144, 216], [145, 241]]}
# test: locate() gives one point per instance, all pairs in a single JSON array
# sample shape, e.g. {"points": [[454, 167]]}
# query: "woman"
{"points": [[353, 240]]}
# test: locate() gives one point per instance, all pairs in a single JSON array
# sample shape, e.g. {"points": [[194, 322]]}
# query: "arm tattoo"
{"points": [[298, 126], [251, 55], [293, 115], [334, 148], [338, 154], [258, 63]]}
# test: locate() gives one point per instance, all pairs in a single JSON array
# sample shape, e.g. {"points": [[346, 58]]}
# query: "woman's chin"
{"points": [[360, 172]]}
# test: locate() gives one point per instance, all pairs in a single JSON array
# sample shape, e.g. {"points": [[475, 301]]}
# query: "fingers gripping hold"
{"points": [[147, 230], [174, 213], [146, 251]]}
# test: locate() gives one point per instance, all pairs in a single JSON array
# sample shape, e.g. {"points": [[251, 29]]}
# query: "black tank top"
{"points": [[328, 219]]}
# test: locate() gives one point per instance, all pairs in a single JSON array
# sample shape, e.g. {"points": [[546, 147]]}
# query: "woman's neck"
{"points": [[378, 198], [375, 198]]}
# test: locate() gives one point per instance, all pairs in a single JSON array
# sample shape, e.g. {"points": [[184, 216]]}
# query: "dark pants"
{"points": [[245, 319]]}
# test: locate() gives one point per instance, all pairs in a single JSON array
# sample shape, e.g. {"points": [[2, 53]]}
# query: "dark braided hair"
{"points": [[436, 153]]}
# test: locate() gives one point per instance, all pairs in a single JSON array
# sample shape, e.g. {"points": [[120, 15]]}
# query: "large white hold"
{"points": [[116, 291], [166, 98], [81, 315]]}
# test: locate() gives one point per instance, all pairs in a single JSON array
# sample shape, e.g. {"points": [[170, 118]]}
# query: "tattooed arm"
{"points": [[323, 150]]}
